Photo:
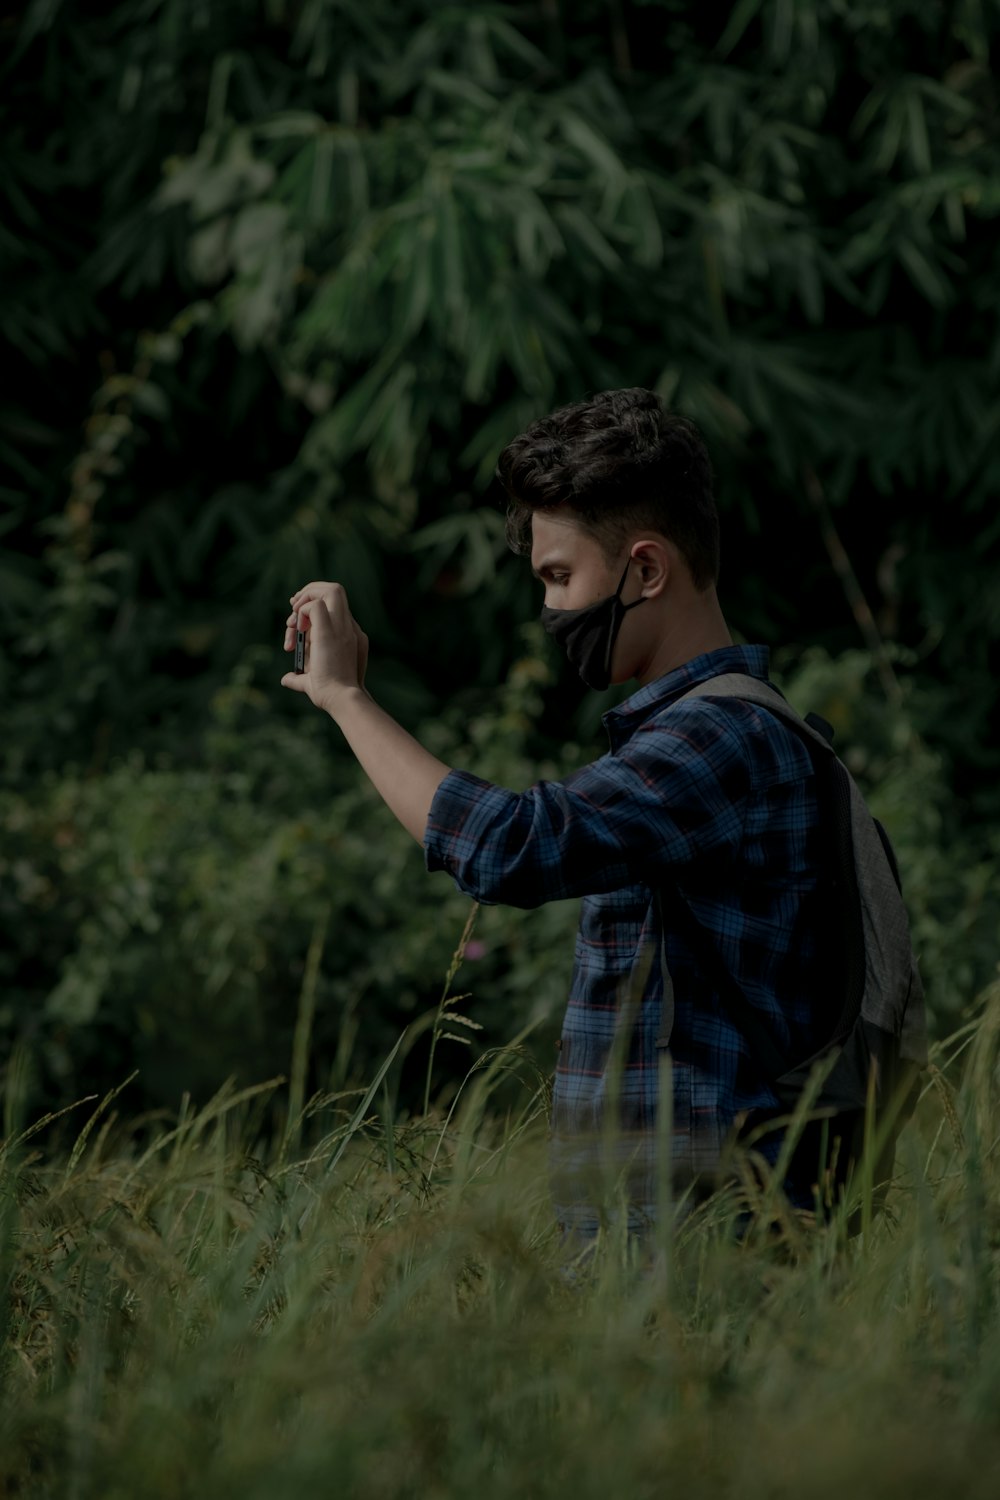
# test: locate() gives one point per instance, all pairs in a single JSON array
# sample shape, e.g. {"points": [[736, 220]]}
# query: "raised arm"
{"points": [[404, 774]]}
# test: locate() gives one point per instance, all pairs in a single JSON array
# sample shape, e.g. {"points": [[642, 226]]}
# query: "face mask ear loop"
{"points": [[640, 599], [612, 633]]}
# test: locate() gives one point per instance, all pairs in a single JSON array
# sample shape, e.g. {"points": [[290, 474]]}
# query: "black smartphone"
{"points": [[300, 651]]}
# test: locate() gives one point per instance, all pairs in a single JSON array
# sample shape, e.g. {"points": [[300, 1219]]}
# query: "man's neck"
{"points": [[691, 633]]}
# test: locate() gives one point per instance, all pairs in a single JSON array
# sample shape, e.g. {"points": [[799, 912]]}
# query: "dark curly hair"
{"points": [[619, 461]]}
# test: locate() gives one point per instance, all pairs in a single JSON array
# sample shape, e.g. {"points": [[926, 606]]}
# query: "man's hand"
{"points": [[405, 775], [336, 647]]}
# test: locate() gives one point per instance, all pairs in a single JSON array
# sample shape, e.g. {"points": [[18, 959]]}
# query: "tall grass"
{"points": [[361, 1305]]}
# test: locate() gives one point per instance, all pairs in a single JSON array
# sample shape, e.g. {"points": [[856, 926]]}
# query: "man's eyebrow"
{"points": [[550, 562]]}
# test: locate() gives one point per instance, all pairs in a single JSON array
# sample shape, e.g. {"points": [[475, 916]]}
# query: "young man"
{"points": [[715, 799]]}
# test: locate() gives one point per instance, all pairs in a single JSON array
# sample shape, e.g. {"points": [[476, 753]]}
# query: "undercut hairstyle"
{"points": [[620, 463]]}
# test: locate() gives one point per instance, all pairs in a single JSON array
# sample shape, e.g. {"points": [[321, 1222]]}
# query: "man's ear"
{"points": [[657, 561]]}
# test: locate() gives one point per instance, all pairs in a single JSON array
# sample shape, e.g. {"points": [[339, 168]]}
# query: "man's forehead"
{"points": [[555, 543]]}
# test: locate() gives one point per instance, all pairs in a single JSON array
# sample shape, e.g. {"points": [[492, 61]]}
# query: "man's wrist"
{"points": [[340, 702]]}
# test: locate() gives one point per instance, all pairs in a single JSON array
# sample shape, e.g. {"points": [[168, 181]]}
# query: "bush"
{"points": [[161, 916]]}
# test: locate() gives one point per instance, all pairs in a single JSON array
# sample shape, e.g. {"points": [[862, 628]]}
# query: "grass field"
{"points": [[375, 1307]]}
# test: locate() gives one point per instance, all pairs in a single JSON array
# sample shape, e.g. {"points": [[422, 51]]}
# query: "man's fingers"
{"points": [[317, 591], [309, 591], [310, 614], [314, 612], [331, 665]]}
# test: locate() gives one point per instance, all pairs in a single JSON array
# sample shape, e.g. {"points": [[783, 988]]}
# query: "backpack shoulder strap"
{"points": [[765, 695], [845, 934], [867, 917]]}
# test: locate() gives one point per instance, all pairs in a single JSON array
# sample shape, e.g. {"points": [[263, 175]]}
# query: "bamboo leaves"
{"points": [[412, 228]]}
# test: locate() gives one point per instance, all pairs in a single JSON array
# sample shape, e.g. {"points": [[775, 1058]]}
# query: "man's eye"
{"points": [[559, 577]]}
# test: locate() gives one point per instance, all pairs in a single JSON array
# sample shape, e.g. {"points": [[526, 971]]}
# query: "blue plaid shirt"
{"points": [[718, 797]]}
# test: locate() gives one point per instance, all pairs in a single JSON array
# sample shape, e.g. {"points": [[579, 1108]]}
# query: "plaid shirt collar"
{"points": [[622, 721]]}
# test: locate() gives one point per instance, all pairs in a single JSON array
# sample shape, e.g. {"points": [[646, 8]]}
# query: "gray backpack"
{"points": [[875, 1003]]}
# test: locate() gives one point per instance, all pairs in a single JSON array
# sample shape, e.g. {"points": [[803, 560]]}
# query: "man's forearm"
{"points": [[404, 774]]}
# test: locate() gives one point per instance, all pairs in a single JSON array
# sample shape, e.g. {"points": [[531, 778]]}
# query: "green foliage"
{"points": [[280, 280], [372, 241], [948, 865], [160, 916], [188, 1307]]}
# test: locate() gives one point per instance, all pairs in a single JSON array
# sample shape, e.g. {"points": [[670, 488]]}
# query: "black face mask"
{"points": [[588, 635]]}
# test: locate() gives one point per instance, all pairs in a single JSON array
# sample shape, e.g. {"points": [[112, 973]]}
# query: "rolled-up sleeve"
{"points": [[674, 792]]}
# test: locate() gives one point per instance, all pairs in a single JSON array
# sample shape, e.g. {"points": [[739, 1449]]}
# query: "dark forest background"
{"points": [[278, 282]]}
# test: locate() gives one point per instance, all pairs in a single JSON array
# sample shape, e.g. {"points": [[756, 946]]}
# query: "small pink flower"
{"points": [[475, 949]]}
